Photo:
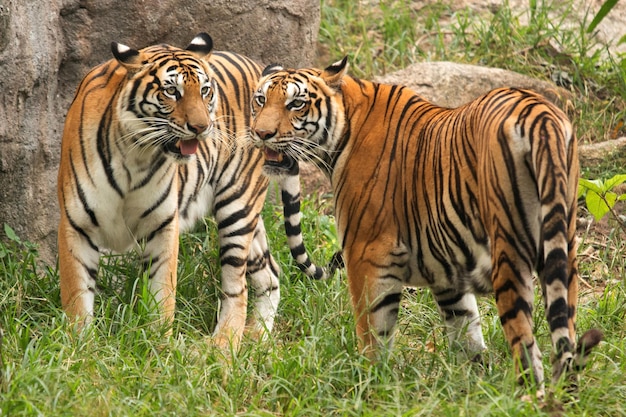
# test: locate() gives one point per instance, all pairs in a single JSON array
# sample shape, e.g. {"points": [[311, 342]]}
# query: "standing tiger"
{"points": [[152, 143], [463, 201]]}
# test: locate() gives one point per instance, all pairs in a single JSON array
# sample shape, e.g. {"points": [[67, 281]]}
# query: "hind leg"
{"points": [[514, 292], [559, 279], [460, 313], [263, 272], [558, 289]]}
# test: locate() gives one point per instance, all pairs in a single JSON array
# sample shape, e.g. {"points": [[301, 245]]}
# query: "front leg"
{"points": [[78, 270], [376, 275], [160, 258], [460, 313], [263, 272], [236, 231]]}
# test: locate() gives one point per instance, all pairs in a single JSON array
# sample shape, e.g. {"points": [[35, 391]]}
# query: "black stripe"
{"points": [[558, 314], [390, 299], [163, 225]]}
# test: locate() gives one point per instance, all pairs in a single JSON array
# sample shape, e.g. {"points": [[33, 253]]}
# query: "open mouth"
{"points": [[277, 162], [182, 147]]}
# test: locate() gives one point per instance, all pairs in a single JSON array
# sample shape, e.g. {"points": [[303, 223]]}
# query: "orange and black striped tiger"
{"points": [[153, 141], [464, 201]]}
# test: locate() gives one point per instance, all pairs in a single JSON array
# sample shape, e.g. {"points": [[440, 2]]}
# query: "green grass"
{"points": [[310, 365]]}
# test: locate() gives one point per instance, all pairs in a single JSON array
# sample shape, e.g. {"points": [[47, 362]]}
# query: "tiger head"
{"points": [[169, 98], [297, 114]]}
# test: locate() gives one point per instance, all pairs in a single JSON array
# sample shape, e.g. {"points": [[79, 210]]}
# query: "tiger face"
{"points": [[179, 97], [289, 122]]}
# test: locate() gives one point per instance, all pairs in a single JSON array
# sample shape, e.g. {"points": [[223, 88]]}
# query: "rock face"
{"points": [[47, 46], [269, 31], [31, 49]]}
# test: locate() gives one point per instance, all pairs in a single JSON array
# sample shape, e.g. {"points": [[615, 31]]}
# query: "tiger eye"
{"points": [[171, 91]]}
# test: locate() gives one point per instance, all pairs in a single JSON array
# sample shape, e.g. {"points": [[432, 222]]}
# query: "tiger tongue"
{"points": [[272, 155], [188, 147]]}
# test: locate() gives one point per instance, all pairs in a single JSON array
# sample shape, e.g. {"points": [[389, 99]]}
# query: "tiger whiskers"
{"points": [[245, 141], [222, 135], [153, 133], [308, 151]]}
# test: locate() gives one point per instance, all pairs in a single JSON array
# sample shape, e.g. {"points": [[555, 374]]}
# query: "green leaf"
{"points": [[11, 233], [604, 10], [610, 198], [615, 181], [596, 205], [592, 185]]}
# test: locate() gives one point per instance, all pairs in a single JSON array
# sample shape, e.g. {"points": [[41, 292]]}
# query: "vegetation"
{"points": [[310, 366], [546, 40]]}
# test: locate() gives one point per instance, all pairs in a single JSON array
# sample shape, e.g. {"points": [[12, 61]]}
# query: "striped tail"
{"points": [[290, 193]]}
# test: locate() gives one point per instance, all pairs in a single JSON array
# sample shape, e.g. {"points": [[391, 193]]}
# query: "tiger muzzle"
{"points": [[265, 135]]}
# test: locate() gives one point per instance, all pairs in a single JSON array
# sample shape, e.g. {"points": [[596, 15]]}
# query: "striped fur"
{"points": [[287, 174], [464, 201], [153, 141]]}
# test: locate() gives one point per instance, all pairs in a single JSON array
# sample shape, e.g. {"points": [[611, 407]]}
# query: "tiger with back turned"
{"points": [[464, 201], [152, 143]]}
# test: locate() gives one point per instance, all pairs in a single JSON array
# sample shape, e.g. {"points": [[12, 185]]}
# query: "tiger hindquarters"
{"points": [[548, 247]]}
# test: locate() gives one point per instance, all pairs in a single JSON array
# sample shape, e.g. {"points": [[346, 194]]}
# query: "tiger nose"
{"points": [[197, 128], [265, 134]]}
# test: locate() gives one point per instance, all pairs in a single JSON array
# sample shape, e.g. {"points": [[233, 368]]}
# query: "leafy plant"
{"points": [[600, 196]]}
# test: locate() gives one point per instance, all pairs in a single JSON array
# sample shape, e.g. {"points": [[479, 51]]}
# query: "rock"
{"points": [[595, 154], [47, 46], [242, 26], [30, 128]]}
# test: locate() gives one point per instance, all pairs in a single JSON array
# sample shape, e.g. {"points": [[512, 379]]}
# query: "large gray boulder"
{"points": [[47, 46]]}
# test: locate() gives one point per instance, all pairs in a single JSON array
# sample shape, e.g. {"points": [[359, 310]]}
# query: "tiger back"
{"points": [[464, 201], [153, 142]]}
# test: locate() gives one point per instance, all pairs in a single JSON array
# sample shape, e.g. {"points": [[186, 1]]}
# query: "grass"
{"points": [[310, 366]]}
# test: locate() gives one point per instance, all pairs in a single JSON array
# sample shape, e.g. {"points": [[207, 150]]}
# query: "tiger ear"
{"points": [[271, 68], [333, 74], [201, 46], [126, 56]]}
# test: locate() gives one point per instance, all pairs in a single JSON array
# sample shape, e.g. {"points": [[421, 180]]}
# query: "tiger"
{"points": [[465, 201], [152, 143]]}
